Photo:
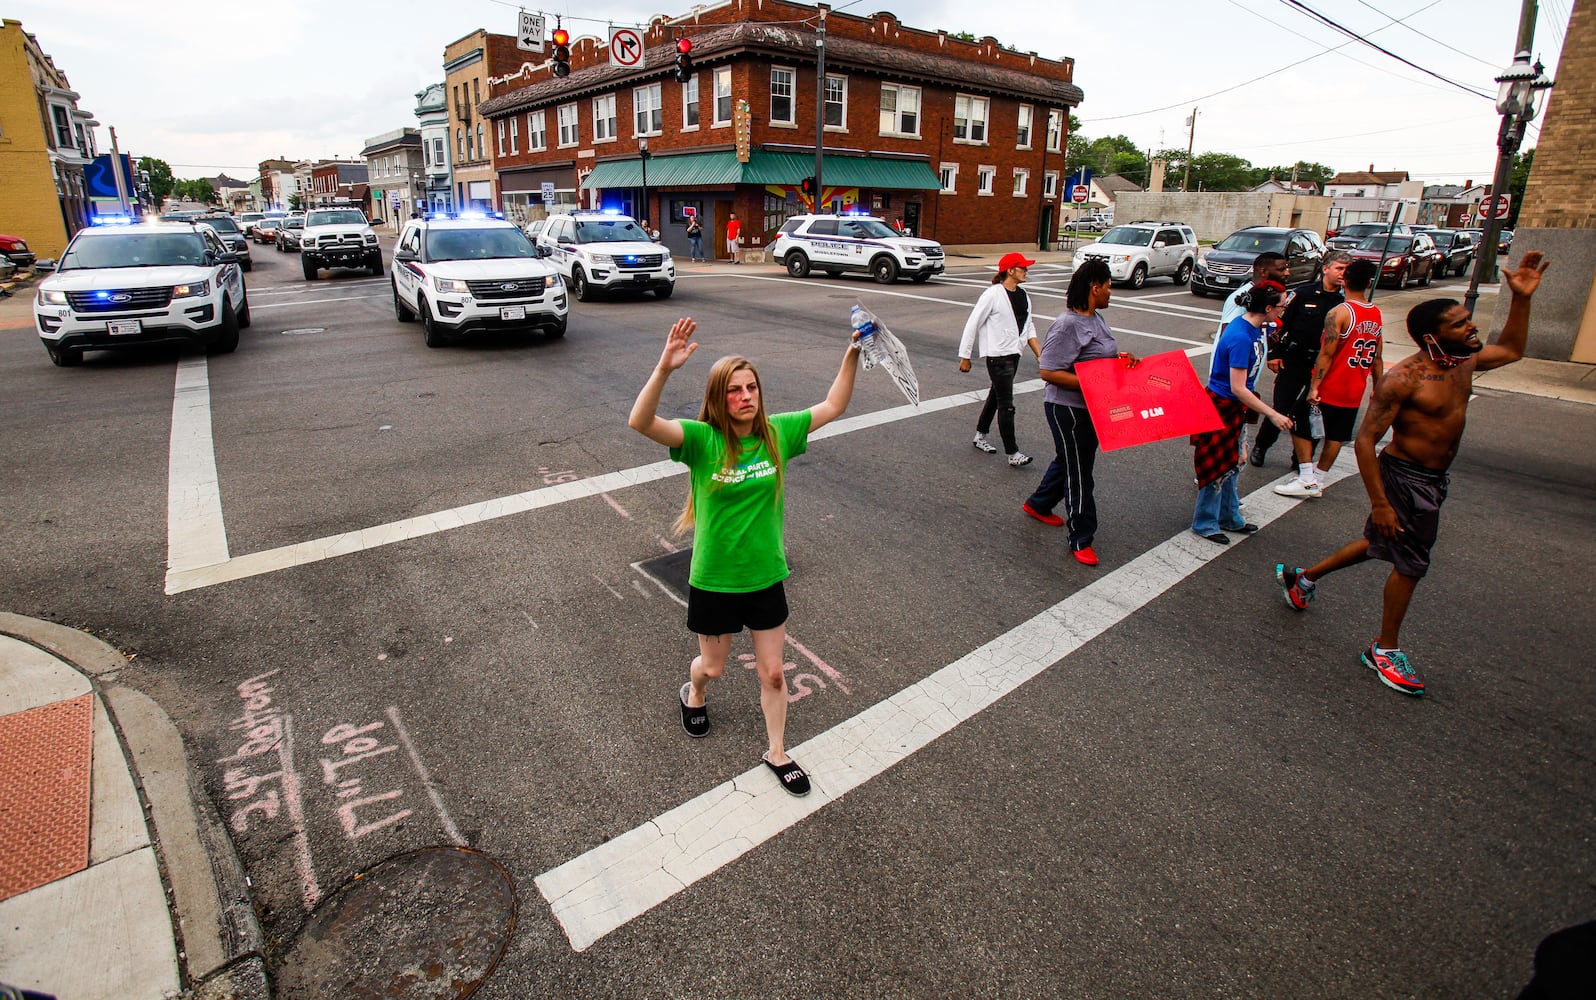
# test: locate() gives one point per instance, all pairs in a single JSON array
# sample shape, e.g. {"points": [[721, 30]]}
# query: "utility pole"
{"points": [[820, 104], [116, 172], [1191, 143]]}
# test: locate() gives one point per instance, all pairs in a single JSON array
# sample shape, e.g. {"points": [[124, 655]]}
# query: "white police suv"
{"points": [[861, 243], [126, 287], [467, 275], [605, 252]]}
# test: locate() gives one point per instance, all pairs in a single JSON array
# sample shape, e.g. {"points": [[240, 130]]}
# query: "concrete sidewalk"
{"points": [[162, 908]]}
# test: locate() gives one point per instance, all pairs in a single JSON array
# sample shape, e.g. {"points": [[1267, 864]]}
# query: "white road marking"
{"points": [[624, 878], [426, 779], [195, 532]]}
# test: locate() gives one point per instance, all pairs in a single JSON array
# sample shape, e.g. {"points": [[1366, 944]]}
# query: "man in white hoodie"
{"points": [[1001, 324]]}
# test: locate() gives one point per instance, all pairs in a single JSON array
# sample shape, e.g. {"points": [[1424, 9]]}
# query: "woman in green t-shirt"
{"points": [[736, 457]]}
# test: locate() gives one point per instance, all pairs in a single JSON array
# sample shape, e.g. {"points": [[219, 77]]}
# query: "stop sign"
{"points": [[1079, 193]]}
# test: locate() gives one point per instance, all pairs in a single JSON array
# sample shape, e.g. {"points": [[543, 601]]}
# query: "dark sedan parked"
{"points": [[1457, 249], [1228, 265], [289, 232], [1407, 258]]}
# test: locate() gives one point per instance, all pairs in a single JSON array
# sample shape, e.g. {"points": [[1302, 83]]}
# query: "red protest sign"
{"points": [[1158, 399]]}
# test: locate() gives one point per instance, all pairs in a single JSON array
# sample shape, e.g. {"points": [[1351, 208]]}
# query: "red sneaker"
{"points": [[1086, 556], [1052, 520]]}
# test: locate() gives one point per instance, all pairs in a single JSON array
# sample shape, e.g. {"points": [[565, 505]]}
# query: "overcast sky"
{"points": [[212, 86]]}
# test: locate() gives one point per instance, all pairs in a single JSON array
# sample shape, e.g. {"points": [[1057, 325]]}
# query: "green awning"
{"points": [[688, 170]]}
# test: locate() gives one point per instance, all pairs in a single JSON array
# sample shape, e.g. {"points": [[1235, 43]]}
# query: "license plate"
{"points": [[512, 312], [1220, 280], [124, 328], [638, 279]]}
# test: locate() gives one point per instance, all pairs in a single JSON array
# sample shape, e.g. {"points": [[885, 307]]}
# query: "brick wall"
{"points": [[29, 205], [1561, 193]]}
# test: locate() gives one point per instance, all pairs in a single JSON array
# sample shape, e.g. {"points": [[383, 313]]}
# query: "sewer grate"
{"points": [[424, 925]]}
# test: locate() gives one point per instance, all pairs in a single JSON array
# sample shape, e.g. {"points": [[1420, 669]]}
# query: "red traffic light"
{"points": [[684, 45], [561, 36]]}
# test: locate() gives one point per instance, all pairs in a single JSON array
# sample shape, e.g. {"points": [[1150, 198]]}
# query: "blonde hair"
{"points": [[714, 413]]}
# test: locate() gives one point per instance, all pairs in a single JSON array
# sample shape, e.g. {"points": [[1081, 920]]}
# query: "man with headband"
{"points": [[1424, 400]]}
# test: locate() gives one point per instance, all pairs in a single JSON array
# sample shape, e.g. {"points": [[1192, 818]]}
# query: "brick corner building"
{"points": [[958, 141]]}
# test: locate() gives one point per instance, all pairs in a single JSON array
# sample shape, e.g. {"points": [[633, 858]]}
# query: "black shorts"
{"points": [[1416, 493], [715, 612], [1340, 422]]}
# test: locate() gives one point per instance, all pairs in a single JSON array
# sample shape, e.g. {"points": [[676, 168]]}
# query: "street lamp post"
{"points": [[1517, 89], [644, 154]]}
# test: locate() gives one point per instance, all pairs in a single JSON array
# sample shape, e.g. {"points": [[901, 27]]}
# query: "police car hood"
{"points": [[92, 279], [496, 269], [625, 249]]}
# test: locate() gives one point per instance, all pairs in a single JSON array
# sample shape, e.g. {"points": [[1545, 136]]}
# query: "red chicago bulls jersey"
{"points": [[1360, 346]]}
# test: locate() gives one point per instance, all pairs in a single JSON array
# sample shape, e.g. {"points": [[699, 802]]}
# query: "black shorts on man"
{"points": [[1340, 422], [716, 612], [1416, 493]]}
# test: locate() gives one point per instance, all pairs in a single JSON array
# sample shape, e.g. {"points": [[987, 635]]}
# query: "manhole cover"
{"points": [[425, 925], [670, 570]]}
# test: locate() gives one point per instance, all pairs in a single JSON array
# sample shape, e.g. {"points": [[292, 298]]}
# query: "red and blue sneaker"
{"points": [[1393, 668], [1291, 581]]}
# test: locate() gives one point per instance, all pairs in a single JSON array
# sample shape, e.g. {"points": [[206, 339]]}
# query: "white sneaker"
{"points": [[1298, 488], [982, 444], [1019, 458]]}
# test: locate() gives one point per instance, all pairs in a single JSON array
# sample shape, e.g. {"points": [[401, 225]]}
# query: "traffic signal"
{"points": [[684, 59], [809, 186], [562, 53]]}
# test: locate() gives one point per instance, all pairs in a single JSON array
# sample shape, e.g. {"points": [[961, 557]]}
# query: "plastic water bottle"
{"points": [[865, 324], [1315, 423]]}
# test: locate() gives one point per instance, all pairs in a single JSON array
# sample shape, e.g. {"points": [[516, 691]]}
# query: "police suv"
{"points": [[465, 275], [125, 287], [838, 243], [607, 252]]}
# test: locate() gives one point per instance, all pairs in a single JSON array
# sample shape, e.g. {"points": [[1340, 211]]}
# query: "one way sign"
{"points": [[530, 35]]}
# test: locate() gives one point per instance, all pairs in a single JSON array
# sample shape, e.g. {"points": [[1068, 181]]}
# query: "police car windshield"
{"points": [[610, 231], [134, 250], [1125, 236], [1254, 242], [477, 244], [347, 217], [867, 229]]}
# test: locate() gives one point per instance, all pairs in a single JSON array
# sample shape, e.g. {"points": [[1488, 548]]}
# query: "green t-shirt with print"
{"points": [[738, 542]]}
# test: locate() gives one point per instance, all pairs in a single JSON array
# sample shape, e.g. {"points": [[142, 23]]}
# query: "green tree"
{"points": [[1317, 173], [294, 203], [1517, 180], [160, 182]]}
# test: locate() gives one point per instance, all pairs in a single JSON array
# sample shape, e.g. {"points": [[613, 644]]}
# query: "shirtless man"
{"points": [[1425, 399]]}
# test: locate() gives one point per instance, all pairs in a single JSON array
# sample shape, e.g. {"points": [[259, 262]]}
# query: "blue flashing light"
{"points": [[102, 295], [612, 211], [110, 219], [472, 215]]}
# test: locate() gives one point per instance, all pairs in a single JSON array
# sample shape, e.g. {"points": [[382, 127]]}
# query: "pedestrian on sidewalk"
{"points": [[1423, 400], [1079, 334], [695, 238], [734, 240], [999, 325], [1293, 353], [1351, 352], [1232, 388], [736, 458]]}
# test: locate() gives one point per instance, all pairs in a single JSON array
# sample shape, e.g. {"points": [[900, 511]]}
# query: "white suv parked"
{"points": [[600, 251], [1143, 250], [123, 287], [463, 275], [838, 243]]}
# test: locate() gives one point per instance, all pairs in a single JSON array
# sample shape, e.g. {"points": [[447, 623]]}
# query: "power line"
{"points": [[1328, 22], [1357, 135], [1421, 34]]}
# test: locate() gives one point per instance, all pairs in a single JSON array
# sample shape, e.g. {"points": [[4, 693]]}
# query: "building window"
{"points": [[775, 212], [1053, 130], [537, 136], [1050, 184], [900, 110], [459, 144], [515, 136], [690, 102], [1022, 180], [604, 118], [781, 103], [63, 127], [950, 177], [969, 119], [836, 101], [1023, 138], [567, 120], [648, 110], [482, 149], [983, 184], [500, 130], [723, 109], [437, 152]]}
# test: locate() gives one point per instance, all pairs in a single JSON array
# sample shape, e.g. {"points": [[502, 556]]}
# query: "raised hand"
{"points": [[1527, 276], [677, 346]]}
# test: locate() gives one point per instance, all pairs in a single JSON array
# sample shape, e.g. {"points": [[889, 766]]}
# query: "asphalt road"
{"points": [[1191, 790]]}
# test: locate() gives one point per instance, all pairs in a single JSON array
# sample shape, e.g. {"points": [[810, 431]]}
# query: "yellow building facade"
{"points": [[45, 140]]}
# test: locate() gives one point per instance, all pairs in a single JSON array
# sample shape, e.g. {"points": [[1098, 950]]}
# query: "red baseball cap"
{"points": [[1014, 260]]}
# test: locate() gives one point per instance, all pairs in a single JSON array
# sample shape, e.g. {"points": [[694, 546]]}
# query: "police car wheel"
{"points": [[225, 339], [65, 358], [884, 270], [401, 313], [431, 331], [797, 264], [580, 285]]}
